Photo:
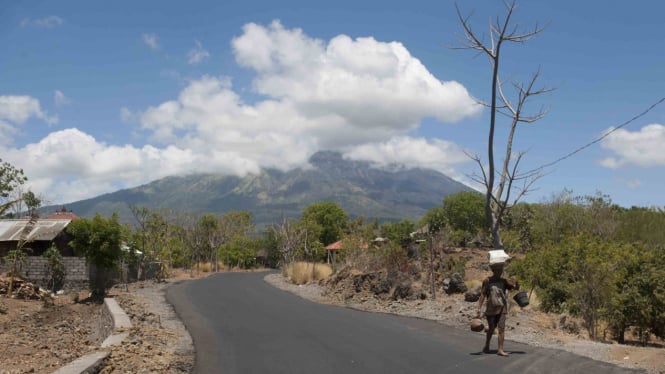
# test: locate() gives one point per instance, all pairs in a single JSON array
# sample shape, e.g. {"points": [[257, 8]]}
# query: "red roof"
{"points": [[62, 215], [336, 246]]}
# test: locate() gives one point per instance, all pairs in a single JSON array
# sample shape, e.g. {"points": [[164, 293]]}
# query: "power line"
{"points": [[597, 139]]}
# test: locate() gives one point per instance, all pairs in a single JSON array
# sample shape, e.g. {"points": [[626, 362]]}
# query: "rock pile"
{"points": [[350, 283]]}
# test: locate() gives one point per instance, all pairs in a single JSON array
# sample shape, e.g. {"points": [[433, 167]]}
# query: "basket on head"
{"points": [[477, 325]]}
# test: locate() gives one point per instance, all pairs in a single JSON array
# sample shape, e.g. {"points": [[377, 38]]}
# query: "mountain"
{"points": [[359, 188]]}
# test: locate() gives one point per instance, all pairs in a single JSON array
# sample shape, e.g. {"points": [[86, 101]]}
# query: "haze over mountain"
{"points": [[359, 188]]}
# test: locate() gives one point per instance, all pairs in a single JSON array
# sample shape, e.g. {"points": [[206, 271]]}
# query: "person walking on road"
{"points": [[494, 292]]}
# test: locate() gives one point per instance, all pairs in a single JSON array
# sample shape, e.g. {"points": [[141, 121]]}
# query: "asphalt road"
{"points": [[241, 324]]}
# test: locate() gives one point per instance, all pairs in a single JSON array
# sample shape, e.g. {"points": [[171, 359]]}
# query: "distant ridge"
{"points": [[356, 186]]}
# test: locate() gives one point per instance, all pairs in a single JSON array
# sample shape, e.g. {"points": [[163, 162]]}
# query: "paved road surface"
{"points": [[241, 324]]}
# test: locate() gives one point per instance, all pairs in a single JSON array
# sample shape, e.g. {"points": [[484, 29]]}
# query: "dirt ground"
{"points": [[40, 337]]}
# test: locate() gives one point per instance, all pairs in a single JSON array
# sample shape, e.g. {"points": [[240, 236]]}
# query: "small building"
{"points": [[38, 236], [339, 245]]}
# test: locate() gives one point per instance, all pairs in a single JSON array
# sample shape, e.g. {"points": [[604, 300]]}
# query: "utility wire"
{"points": [[598, 139]]}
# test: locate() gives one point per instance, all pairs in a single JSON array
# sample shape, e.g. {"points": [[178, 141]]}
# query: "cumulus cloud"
{"points": [[46, 22], [15, 111], [642, 148], [434, 154], [71, 157], [359, 96], [18, 109], [365, 82], [151, 41], [197, 54], [336, 95]]}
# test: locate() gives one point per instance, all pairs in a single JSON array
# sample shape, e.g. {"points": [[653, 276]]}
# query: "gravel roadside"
{"points": [[158, 341]]}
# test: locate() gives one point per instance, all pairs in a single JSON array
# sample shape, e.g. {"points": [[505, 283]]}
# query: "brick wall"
{"points": [[77, 272]]}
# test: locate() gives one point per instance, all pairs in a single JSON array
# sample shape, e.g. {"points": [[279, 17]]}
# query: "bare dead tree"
{"points": [[498, 197], [290, 237]]}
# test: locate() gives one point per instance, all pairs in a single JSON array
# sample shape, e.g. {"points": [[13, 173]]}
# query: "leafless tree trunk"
{"points": [[289, 238], [498, 194]]}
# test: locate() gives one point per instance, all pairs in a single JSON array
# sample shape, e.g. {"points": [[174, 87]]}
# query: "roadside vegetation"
{"points": [[581, 255]]}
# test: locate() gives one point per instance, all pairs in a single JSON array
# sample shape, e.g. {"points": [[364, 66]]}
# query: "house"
{"points": [[38, 235], [333, 248]]}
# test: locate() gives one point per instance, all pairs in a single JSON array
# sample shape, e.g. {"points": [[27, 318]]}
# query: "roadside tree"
{"points": [[99, 241], [330, 218], [502, 193], [11, 178]]}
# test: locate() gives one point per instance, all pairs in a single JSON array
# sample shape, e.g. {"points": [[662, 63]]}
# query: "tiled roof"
{"points": [[336, 246], [62, 215]]}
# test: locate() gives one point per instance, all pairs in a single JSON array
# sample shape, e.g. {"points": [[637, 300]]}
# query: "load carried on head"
{"points": [[498, 257]]}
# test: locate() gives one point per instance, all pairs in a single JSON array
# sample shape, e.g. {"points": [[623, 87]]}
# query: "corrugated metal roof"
{"points": [[46, 229]]}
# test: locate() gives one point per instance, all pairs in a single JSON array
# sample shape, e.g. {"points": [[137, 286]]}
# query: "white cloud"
{"points": [[70, 157], [46, 22], [434, 154], [18, 109], [364, 82], [15, 111], [197, 54], [60, 99], [640, 148], [359, 96], [151, 41]]}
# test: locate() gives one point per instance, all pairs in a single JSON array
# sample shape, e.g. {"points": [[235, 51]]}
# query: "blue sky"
{"points": [[95, 97]]}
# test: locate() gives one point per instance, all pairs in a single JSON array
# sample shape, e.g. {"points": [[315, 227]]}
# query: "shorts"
{"points": [[498, 320]]}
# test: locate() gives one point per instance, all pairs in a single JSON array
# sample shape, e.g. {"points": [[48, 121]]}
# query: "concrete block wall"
{"points": [[77, 272]]}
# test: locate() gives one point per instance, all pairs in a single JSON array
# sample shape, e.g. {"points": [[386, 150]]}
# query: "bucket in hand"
{"points": [[521, 298], [477, 325]]}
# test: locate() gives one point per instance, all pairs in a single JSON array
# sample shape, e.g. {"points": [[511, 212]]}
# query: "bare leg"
{"points": [[501, 352], [488, 337]]}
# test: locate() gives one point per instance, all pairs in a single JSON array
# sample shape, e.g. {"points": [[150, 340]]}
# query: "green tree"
{"points": [[10, 179], [32, 202], [644, 225], [465, 211], [330, 217], [399, 233], [640, 300], [212, 238], [99, 241], [237, 227], [435, 219]]}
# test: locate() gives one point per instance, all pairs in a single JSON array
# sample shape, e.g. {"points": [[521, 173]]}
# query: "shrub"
{"points": [[55, 269]]}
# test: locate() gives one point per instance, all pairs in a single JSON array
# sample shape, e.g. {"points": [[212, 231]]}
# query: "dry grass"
{"points": [[205, 267], [301, 272]]}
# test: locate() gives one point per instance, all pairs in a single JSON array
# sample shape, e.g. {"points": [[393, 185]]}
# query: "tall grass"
{"points": [[302, 272]]}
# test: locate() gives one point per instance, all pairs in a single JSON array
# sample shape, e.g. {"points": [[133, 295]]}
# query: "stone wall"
{"points": [[77, 272]]}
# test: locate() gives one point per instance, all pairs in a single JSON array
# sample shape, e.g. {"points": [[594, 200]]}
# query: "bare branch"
{"points": [[472, 41]]}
